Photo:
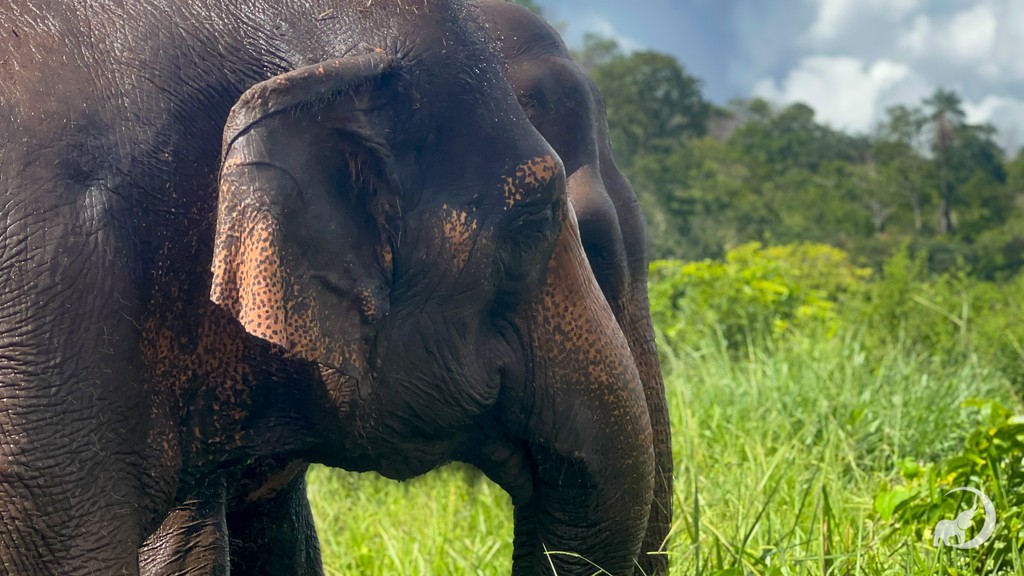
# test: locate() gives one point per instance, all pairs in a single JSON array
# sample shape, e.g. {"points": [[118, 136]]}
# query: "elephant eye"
{"points": [[533, 101], [534, 222], [524, 248]]}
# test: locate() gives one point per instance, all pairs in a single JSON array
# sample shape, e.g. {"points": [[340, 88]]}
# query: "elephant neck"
{"points": [[237, 398]]}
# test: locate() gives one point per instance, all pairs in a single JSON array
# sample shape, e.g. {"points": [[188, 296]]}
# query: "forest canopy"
{"points": [[713, 177]]}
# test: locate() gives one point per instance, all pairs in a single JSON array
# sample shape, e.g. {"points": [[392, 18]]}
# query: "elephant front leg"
{"points": [[193, 539], [272, 532]]}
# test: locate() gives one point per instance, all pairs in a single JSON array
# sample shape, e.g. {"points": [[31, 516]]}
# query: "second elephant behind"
{"points": [[566, 107]]}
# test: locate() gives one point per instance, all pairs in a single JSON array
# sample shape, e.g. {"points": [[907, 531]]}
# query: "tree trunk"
{"points": [[946, 211]]}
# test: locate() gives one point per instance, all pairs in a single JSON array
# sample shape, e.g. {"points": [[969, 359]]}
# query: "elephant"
{"points": [[946, 529], [565, 106], [248, 235]]}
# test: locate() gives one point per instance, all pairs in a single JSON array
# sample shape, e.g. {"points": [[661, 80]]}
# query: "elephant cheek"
{"points": [[458, 228]]}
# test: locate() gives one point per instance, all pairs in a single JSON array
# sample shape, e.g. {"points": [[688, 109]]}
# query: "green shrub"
{"points": [[951, 317], [757, 293], [990, 461]]}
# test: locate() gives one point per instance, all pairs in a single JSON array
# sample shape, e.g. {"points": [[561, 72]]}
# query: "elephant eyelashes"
{"points": [[533, 226]]}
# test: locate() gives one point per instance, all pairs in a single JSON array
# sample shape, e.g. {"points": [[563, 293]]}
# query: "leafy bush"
{"points": [[770, 295], [756, 293], [922, 339], [990, 461], [951, 317]]}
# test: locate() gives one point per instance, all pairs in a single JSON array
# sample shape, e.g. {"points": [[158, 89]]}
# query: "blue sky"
{"points": [[849, 59]]}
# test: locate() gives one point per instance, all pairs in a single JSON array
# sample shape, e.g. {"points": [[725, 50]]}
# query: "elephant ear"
{"points": [[294, 238]]}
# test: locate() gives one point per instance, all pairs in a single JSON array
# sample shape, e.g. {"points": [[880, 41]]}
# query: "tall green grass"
{"points": [[447, 522], [780, 453]]}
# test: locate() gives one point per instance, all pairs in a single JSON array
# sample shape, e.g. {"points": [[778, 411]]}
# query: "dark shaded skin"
{"points": [[565, 106], [244, 236]]}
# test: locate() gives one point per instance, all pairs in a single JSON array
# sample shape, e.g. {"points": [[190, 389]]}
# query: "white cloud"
{"points": [[1005, 113], [949, 40], [604, 27], [965, 39], [835, 15], [858, 57], [915, 38], [830, 16], [971, 34], [1008, 45], [842, 90]]}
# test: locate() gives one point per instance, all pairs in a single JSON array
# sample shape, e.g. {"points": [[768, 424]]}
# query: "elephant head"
{"points": [[395, 221], [563, 103], [964, 519]]}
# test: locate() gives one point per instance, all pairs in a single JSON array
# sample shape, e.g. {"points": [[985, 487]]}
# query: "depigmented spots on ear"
{"points": [[263, 307], [260, 284], [529, 177], [253, 282], [458, 228]]}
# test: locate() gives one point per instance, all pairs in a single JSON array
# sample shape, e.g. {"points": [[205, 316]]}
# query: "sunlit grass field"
{"points": [[780, 454]]}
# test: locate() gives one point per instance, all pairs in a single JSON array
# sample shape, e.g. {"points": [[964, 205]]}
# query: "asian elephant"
{"points": [[563, 103], [245, 235]]}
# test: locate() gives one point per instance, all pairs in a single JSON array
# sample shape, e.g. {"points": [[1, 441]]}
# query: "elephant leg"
{"points": [[273, 533], [76, 497], [193, 539], [41, 534]]}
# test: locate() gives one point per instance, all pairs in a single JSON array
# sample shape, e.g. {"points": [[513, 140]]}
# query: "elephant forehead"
{"points": [[529, 179]]}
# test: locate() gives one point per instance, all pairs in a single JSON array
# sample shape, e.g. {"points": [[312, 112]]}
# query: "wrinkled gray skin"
{"points": [[243, 236], [563, 103]]}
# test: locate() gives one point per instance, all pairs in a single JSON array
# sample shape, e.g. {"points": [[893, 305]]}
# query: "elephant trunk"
{"points": [[588, 431], [614, 242]]}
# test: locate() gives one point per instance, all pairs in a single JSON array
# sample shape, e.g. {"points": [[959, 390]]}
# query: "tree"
{"points": [[778, 175], [791, 138], [897, 149], [597, 51], [903, 126], [977, 175], [946, 114], [530, 5], [653, 104], [699, 200]]}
